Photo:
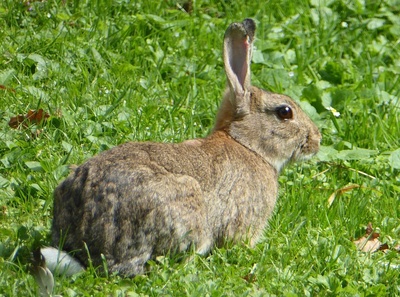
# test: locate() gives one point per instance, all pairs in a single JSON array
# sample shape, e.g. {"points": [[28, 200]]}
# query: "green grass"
{"points": [[108, 72]]}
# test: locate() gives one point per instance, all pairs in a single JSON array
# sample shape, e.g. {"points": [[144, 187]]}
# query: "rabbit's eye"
{"points": [[284, 113]]}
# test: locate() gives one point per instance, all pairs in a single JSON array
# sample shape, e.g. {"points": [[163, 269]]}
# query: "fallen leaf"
{"points": [[16, 121], [37, 116], [341, 191], [3, 210], [7, 88], [369, 243], [370, 231], [250, 278], [32, 117], [384, 248]]}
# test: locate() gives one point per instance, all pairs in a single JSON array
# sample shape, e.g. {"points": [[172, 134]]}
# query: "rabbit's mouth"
{"points": [[308, 149]]}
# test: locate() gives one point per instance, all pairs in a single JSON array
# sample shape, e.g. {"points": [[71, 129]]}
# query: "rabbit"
{"points": [[140, 200]]}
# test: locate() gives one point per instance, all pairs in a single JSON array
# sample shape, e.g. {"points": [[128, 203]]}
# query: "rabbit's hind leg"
{"points": [[132, 267]]}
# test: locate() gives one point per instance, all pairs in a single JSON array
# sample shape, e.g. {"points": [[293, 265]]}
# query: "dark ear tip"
{"points": [[245, 28], [250, 27]]}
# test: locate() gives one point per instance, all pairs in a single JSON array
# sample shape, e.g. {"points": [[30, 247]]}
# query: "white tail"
{"points": [[60, 263]]}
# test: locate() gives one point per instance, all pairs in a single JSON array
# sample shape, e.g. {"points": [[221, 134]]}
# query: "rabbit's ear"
{"points": [[238, 43]]}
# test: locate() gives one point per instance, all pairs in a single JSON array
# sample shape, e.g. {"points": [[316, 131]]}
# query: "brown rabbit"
{"points": [[140, 200]]}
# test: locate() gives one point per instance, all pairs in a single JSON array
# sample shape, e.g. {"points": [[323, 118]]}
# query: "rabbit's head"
{"points": [[271, 125]]}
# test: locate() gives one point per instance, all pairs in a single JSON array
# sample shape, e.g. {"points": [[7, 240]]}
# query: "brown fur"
{"points": [[140, 200]]}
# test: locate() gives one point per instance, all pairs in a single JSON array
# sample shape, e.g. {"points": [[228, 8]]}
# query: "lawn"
{"points": [[79, 77]]}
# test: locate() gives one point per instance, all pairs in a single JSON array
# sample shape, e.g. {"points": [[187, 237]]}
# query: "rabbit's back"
{"points": [[140, 200]]}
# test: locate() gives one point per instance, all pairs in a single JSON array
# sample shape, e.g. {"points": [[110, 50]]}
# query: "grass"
{"points": [[108, 72]]}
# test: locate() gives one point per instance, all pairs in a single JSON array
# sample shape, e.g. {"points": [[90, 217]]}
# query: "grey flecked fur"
{"points": [[140, 200]]}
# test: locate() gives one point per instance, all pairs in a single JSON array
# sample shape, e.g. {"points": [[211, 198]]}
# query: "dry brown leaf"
{"points": [[16, 121], [370, 231], [370, 243], [341, 191], [7, 88], [384, 248], [37, 116], [3, 210], [250, 278], [32, 117]]}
